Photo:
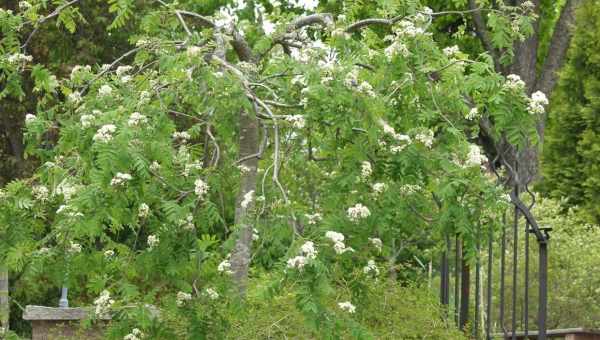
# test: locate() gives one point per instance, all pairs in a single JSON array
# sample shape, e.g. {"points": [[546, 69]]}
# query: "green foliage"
{"points": [[570, 160]]}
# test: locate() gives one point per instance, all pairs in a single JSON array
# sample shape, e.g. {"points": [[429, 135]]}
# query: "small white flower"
{"points": [[340, 248], [143, 210], [371, 267], [297, 262], [75, 248], [255, 235], [334, 236], [379, 188], [109, 253], [135, 334], [105, 91], [212, 294], [473, 114], [514, 82], [243, 169], [87, 120], [451, 51], [182, 297], [103, 303], [313, 218], [182, 136], [376, 242], [121, 70], [105, 133], [248, 198], [136, 119], [365, 170], [40, 193], [29, 118], [426, 138], [357, 212], [537, 102], [308, 249], [153, 241], [347, 307], [74, 97], [475, 157], [154, 166], [200, 188], [120, 179], [297, 121], [225, 267]]}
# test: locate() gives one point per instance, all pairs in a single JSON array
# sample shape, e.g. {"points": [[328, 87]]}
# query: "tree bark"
{"points": [[249, 145], [4, 299], [465, 285]]}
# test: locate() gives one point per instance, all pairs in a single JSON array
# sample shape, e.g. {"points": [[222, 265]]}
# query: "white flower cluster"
{"points": [[404, 140], [473, 114], [103, 303], [371, 268], [182, 298], [68, 210], [143, 210], [67, 189], [211, 293], [105, 90], [87, 120], [475, 157], [409, 189], [379, 188], [29, 118], [225, 266], [514, 82], [105, 133], [358, 212], [297, 121], [308, 252], [366, 170], [75, 248], [351, 82], [299, 80], [120, 179], [153, 241], [537, 102], [338, 242], [40, 193], [19, 58], [408, 28], [75, 71], [135, 334], [426, 138], [74, 97], [109, 253], [200, 188], [395, 48], [121, 70], [376, 242], [248, 198], [451, 51], [137, 119], [188, 223], [307, 5], [182, 136], [347, 307], [314, 218], [154, 166], [255, 234]]}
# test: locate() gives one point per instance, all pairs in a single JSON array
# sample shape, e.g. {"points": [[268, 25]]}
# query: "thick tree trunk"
{"points": [[4, 301], [249, 146]]}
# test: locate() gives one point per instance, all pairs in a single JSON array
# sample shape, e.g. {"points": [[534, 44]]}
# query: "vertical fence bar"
{"points": [[543, 288], [457, 253], [477, 283], [515, 271], [502, 273], [526, 278], [488, 326], [465, 291]]}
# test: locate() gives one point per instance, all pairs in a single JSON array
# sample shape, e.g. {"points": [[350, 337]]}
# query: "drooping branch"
{"points": [[559, 45], [323, 19]]}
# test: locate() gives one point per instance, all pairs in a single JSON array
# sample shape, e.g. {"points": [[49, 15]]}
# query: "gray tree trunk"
{"points": [[4, 301], [249, 146]]}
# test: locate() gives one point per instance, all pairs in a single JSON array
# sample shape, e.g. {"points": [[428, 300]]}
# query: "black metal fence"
{"points": [[501, 317]]}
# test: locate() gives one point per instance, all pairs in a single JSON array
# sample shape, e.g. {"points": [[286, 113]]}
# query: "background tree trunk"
{"points": [[249, 146], [4, 301]]}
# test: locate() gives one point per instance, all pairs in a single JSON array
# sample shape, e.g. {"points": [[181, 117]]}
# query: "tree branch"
{"points": [[483, 34], [559, 45]]}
